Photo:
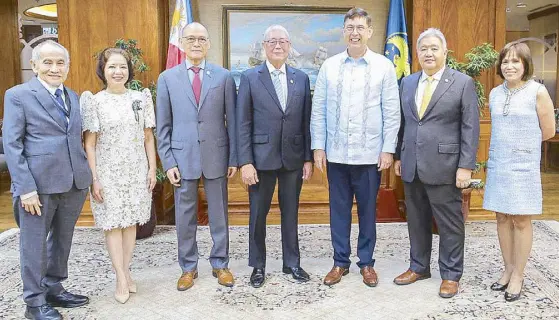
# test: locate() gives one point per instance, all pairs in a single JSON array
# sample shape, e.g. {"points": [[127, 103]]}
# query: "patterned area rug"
{"points": [[155, 269]]}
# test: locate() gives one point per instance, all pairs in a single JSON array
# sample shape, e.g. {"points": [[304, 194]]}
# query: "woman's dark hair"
{"points": [[523, 53], [104, 57]]}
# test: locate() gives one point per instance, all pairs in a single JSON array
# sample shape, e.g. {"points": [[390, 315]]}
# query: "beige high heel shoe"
{"points": [[132, 288], [122, 298]]}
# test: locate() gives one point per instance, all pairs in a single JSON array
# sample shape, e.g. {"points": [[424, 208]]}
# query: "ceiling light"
{"points": [[45, 11], [521, 5]]}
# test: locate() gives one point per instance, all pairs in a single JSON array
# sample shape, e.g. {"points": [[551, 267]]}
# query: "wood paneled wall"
{"points": [[87, 27], [9, 55]]}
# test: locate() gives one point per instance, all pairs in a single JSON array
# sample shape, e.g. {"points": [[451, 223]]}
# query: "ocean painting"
{"points": [[314, 36]]}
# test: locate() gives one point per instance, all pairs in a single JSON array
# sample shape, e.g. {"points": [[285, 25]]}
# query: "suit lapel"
{"points": [[266, 79], [415, 83], [446, 81], [206, 83], [184, 80], [46, 101], [290, 85]]}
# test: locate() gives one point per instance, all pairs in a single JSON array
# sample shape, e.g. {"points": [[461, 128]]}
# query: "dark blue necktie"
{"points": [[60, 102]]}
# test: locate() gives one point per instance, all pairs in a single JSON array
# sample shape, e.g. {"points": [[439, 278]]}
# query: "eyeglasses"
{"points": [[274, 42], [350, 28], [192, 40]]}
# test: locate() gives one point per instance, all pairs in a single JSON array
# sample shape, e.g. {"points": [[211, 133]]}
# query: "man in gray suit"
{"points": [[273, 111], [50, 177], [196, 141], [435, 155]]}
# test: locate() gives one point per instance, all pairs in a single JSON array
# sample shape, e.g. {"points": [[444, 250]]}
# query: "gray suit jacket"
{"points": [[43, 152], [196, 140], [447, 136], [270, 138]]}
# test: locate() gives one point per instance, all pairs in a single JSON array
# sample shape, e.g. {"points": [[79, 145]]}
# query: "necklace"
{"points": [[509, 94]]}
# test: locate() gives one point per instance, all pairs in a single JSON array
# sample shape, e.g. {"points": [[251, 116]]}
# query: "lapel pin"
{"points": [[445, 80], [291, 81], [208, 73]]}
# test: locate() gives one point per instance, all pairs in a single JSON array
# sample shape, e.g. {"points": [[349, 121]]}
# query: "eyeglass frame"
{"points": [[274, 42], [350, 28], [200, 40]]}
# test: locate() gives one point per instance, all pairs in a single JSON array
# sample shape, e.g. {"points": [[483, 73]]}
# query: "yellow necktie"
{"points": [[427, 94]]}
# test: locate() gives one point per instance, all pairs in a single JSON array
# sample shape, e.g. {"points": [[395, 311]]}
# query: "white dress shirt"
{"points": [[356, 109], [202, 67], [282, 76], [423, 84]]}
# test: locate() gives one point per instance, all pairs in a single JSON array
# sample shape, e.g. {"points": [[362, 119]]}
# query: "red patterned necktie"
{"points": [[196, 83]]}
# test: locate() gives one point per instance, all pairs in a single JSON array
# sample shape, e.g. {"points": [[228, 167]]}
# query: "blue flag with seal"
{"points": [[396, 47]]}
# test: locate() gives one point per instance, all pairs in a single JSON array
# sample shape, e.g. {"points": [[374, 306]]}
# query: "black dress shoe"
{"points": [[257, 277], [298, 273], [66, 299], [499, 287], [510, 297], [44, 312]]}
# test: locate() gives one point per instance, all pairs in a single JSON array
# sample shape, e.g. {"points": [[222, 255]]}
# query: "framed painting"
{"points": [[315, 34]]}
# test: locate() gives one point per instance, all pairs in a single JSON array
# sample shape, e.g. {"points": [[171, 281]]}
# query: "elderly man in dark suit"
{"points": [[195, 118], [50, 178], [436, 153], [273, 111]]}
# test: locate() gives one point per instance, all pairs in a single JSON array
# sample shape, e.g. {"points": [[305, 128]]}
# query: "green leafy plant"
{"points": [[479, 59]]}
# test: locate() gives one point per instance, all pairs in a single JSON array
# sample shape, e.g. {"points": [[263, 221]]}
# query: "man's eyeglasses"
{"points": [[274, 42], [191, 40], [350, 28]]}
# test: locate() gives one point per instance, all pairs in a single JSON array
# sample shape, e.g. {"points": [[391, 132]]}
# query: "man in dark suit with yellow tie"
{"points": [[435, 156]]}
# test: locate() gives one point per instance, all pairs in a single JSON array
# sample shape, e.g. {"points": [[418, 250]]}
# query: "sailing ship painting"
{"points": [[314, 37]]}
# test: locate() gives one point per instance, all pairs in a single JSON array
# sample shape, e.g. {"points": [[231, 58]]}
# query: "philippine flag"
{"points": [[181, 17]]}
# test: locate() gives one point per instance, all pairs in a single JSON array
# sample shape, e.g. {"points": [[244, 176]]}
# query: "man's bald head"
{"points": [[195, 42], [194, 27]]}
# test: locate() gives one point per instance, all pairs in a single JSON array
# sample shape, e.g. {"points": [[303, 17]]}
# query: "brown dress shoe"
{"points": [[186, 281], [448, 289], [410, 277], [369, 276], [224, 277], [335, 275]]}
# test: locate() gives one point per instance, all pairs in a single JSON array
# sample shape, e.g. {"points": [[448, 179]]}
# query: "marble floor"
{"points": [[156, 270]]}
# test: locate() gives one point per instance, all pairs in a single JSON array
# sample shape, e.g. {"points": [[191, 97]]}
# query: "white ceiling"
{"points": [[517, 17]]}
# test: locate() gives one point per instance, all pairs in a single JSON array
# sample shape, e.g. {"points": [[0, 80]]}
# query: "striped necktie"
{"points": [[279, 89]]}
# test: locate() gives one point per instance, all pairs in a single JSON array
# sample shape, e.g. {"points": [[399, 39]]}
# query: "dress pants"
{"points": [[444, 203], [346, 181], [186, 220], [260, 196], [45, 243]]}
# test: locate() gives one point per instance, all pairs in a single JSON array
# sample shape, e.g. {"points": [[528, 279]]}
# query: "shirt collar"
{"points": [[437, 76], [367, 58], [272, 68], [50, 88], [188, 64]]}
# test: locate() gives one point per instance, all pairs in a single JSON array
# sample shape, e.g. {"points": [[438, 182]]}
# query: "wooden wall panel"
{"points": [[87, 27], [9, 55]]}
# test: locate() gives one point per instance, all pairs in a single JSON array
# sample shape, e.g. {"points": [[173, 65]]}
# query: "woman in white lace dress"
{"points": [[119, 142]]}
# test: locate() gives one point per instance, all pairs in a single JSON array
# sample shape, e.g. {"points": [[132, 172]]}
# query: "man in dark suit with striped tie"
{"points": [[273, 113]]}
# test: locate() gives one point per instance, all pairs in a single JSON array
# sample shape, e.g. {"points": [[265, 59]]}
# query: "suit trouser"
{"points": [[344, 182], [444, 203], [260, 196], [186, 207], [45, 243]]}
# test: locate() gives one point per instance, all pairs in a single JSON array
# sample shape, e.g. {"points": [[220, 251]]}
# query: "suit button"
{"points": [[199, 121], [420, 123]]}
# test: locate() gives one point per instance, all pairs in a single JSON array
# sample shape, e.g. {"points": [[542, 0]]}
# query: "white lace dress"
{"points": [[120, 157]]}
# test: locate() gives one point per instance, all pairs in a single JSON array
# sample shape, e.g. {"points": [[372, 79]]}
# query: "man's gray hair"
{"points": [[275, 27], [432, 32], [36, 53]]}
